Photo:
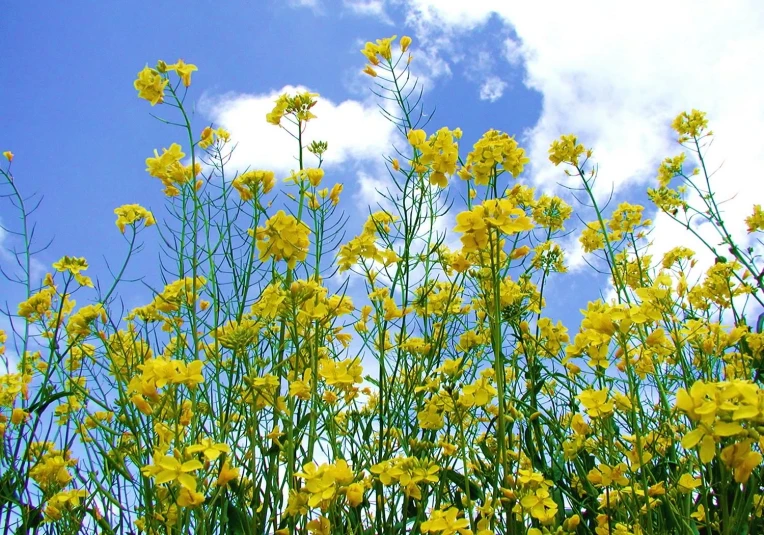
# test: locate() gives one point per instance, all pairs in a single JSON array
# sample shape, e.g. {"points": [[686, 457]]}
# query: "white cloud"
{"points": [[618, 86], [312, 4], [513, 51], [371, 8], [355, 131], [371, 192], [492, 89]]}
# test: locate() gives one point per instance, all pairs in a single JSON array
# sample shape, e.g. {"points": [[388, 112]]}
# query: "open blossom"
{"points": [[184, 70], [283, 238], [150, 85], [129, 214]]}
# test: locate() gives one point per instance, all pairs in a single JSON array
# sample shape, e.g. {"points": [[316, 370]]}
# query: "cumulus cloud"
{"points": [[355, 131], [619, 84], [492, 89]]}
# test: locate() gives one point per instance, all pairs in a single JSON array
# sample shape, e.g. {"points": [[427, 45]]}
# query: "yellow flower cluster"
{"points": [[237, 335], [208, 136], [252, 183], [325, 483], [50, 469], [168, 169], [284, 237], [690, 125], [79, 322], [170, 300], [151, 83], [494, 150], [382, 49], [567, 150], [669, 168], [719, 410], [439, 153], [342, 375], [298, 106], [74, 266], [63, 500], [127, 214], [168, 469], [446, 522], [365, 246], [408, 472], [159, 372], [494, 214], [755, 221]]}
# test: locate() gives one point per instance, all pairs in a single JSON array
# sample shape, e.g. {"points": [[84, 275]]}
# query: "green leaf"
{"points": [[475, 492]]}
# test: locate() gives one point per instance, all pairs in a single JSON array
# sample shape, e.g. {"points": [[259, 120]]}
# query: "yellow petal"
{"points": [[727, 429], [692, 438], [707, 449]]}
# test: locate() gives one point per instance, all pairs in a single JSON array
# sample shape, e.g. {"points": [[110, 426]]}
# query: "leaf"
{"points": [[43, 404], [235, 521], [464, 483]]}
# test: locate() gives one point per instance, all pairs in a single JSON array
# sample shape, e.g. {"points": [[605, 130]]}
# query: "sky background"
{"points": [[614, 73]]}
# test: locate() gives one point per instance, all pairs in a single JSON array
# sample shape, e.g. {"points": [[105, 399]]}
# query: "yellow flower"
{"points": [[596, 402], [741, 459], [334, 194], [284, 238], [690, 125], [253, 182], [405, 43], [150, 85], [370, 71], [8, 155], [520, 252], [128, 214], [227, 474], [670, 167], [19, 415], [168, 469], [79, 322], [417, 137], [315, 176], [210, 449], [755, 221], [184, 70], [207, 137], [705, 436], [446, 523], [223, 134], [687, 483], [320, 526], [540, 505], [354, 494], [190, 498], [604, 476], [566, 150], [74, 266]]}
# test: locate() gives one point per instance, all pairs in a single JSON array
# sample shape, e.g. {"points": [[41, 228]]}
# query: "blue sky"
{"points": [[614, 74]]}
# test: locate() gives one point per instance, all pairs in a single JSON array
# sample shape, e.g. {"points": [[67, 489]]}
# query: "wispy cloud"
{"points": [[492, 89]]}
